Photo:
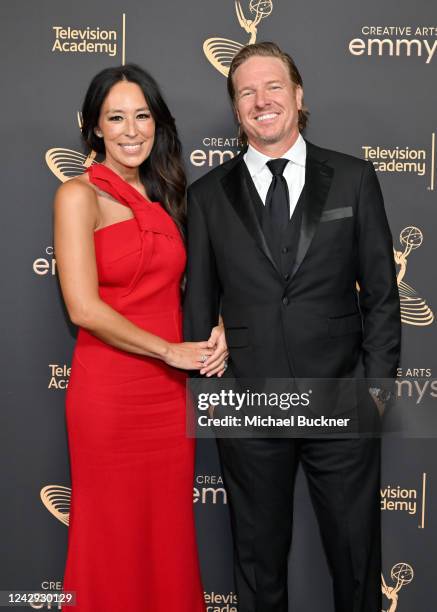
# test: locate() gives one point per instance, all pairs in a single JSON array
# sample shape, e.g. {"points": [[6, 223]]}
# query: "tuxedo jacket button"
{"points": [[285, 300]]}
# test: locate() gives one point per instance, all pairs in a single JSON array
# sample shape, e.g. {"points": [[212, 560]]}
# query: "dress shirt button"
{"points": [[284, 250], [286, 277], [285, 300]]}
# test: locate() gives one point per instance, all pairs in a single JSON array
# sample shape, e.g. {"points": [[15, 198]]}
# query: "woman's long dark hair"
{"points": [[162, 173]]}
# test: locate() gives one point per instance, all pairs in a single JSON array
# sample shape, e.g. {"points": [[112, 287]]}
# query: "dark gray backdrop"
{"points": [[376, 99]]}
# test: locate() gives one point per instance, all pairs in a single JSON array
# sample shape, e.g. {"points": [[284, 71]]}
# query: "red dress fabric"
{"points": [[131, 537]]}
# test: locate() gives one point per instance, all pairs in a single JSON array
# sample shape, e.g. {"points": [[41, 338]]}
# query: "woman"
{"points": [[121, 257]]}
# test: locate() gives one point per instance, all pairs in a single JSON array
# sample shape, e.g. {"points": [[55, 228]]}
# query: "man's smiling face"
{"points": [[267, 103]]}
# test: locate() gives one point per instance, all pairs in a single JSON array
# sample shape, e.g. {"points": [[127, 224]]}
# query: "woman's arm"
{"points": [[76, 217]]}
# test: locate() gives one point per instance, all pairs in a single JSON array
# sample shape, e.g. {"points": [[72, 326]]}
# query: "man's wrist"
{"points": [[382, 395]]}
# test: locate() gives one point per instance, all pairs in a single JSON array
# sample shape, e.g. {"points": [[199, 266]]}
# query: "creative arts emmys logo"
{"points": [[209, 489], [214, 151], [46, 265], [221, 51], [49, 586], [414, 309], [395, 41], [66, 163], [401, 574]]}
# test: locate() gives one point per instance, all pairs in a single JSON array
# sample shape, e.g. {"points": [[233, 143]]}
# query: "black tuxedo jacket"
{"points": [[313, 323]]}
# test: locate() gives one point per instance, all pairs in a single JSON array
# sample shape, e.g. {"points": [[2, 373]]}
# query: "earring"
{"points": [[98, 133]]}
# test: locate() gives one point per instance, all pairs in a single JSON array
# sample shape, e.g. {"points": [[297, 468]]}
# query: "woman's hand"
{"points": [[188, 355], [217, 362]]}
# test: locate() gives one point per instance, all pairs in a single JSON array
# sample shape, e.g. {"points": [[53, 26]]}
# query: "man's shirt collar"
{"points": [[256, 161]]}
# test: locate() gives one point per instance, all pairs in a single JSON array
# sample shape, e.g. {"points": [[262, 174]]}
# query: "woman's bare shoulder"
{"points": [[77, 199], [78, 187]]}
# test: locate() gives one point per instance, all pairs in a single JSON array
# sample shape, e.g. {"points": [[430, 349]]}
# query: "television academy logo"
{"points": [[59, 376], [404, 160], [81, 40], [396, 159], [401, 574], [221, 51], [414, 309], [225, 602], [411, 501]]}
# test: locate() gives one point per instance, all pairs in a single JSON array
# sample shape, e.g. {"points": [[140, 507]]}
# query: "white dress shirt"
{"points": [[294, 172]]}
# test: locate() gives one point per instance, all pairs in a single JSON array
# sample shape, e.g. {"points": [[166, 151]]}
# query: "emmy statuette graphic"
{"points": [[220, 51], [66, 163], [402, 574], [57, 501], [414, 309]]}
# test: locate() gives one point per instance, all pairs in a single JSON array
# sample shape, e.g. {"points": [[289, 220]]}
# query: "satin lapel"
{"points": [[237, 191], [318, 177]]}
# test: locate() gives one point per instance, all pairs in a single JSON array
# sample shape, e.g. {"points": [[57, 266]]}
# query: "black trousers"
{"points": [[344, 484]]}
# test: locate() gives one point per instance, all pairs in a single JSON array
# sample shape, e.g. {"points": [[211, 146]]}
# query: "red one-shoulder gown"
{"points": [[131, 539]]}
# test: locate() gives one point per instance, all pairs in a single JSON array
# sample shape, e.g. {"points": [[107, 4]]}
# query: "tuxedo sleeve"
{"points": [[376, 275], [202, 293]]}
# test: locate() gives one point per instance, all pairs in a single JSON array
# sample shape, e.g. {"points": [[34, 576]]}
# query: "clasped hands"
{"points": [[209, 356], [216, 362]]}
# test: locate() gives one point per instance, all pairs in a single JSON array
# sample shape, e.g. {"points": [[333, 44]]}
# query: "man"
{"points": [[278, 239]]}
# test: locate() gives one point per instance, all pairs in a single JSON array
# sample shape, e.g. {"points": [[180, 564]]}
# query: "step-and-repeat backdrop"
{"points": [[369, 77]]}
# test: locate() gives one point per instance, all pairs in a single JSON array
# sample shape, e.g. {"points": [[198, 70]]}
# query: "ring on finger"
{"points": [[203, 358]]}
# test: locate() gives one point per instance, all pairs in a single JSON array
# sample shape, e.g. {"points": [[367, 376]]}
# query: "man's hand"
{"points": [[380, 397], [379, 405], [216, 363]]}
